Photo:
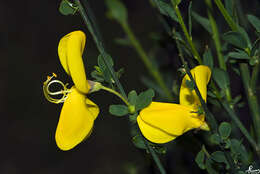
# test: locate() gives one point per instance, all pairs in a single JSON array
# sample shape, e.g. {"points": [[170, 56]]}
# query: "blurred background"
{"points": [[29, 35]]}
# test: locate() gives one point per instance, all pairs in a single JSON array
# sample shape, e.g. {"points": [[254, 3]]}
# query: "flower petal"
{"points": [[76, 120], [70, 50], [163, 122], [201, 75]]}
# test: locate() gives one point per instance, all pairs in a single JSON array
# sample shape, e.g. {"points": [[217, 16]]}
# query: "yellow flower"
{"points": [[78, 112], [163, 122]]}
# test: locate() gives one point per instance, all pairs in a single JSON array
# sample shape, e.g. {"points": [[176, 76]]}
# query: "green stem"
{"points": [[244, 69], [92, 27], [225, 14], [155, 157], [186, 33], [142, 54], [217, 42], [251, 97], [209, 116], [234, 117], [116, 93], [254, 77]]}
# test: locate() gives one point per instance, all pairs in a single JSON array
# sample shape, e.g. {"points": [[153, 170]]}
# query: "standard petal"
{"points": [[76, 121], [163, 122], [201, 75], [70, 51]]}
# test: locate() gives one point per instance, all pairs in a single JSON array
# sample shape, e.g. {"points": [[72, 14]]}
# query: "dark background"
{"points": [[29, 35]]}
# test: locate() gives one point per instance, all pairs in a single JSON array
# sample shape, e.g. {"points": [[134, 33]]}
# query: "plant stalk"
{"points": [[87, 17], [217, 42], [142, 54], [186, 33]]}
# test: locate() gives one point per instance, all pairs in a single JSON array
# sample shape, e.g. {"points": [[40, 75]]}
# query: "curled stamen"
{"points": [[47, 93]]}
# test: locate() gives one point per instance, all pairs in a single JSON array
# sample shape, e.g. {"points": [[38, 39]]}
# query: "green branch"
{"points": [[186, 33], [87, 16]]}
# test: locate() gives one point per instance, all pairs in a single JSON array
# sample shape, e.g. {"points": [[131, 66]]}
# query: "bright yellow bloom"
{"points": [[78, 112], [163, 122]]}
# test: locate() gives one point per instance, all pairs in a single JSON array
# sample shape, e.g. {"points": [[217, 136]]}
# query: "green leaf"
{"points": [[139, 142], [176, 2], [97, 76], [204, 22], [219, 157], [221, 77], [255, 48], [132, 118], [215, 139], [235, 39], [254, 21], [224, 130], [132, 97], [144, 99], [103, 68], [229, 6], [190, 85], [117, 10], [208, 58], [238, 55], [190, 21], [166, 9], [67, 8], [209, 167], [200, 157], [239, 151], [118, 110]]}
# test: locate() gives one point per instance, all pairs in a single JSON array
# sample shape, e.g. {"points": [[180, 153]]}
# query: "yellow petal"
{"points": [[70, 50], [163, 122], [76, 120], [201, 75]]}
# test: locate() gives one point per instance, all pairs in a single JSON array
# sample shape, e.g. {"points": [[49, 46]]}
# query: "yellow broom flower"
{"points": [[163, 122], [78, 112]]}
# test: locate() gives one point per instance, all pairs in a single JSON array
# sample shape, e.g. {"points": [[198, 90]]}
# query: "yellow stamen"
{"points": [[47, 93]]}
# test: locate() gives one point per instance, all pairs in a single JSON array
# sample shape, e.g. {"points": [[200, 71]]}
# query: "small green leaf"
{"points": [[144, 99], [176, 2], [166, 9], [118, 110], [229, 6], [238, 55], [139, 142], [208, 58], [204, 22], [209, 167], [132, 117], [117, 10], [103, 68], [221, 77], [219, 157], [215, 139], [97, 76], [67, 8], [132, 97], [190, 85], [120, 72], [255, 47], [254, 21], [224, 130], [235, 39], [200, 157]]}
